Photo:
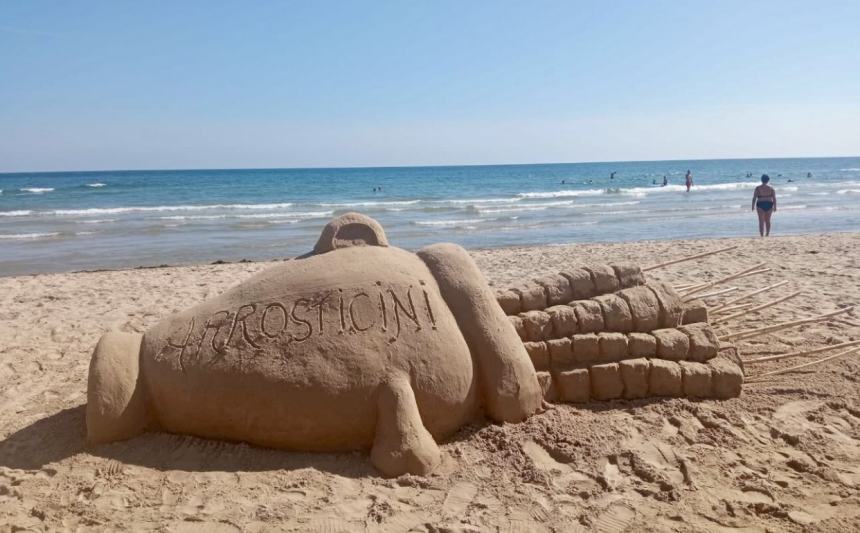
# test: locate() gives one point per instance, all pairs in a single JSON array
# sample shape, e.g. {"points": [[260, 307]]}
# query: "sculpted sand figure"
{"points": [[357, 345]]}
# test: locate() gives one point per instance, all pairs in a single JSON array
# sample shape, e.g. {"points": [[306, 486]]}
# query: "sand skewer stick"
{"points": [[782, 356], [757, 269], [783, 325], [805, 365], [730, 309], [688, 258], [691, 287], [749, 295], [717, 293], [754, 309]]}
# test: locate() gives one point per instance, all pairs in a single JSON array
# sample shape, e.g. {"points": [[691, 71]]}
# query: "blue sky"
{"points": [[132, 85]]}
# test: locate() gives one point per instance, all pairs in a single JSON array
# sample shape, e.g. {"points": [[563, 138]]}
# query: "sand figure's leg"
{"points": [[402, 444], [116, 408]]}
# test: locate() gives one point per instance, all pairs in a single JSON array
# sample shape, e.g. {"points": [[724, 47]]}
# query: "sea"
{"points": [[70, 221]]}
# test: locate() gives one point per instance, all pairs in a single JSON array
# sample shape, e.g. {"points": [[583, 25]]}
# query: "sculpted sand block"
{"points": [[356, 346]]}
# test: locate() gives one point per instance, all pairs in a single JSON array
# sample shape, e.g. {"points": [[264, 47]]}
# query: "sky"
{"points": [[98, 85]]}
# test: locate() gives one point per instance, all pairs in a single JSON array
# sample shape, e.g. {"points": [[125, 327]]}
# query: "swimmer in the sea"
{"points": [[689, 180], [764, 204]]}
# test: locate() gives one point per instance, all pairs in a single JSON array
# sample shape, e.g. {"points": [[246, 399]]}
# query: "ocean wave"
{"points": [[97, 221], [543, 206], [270, 216], [36, 190], [82, 233], [97, 184], [478, 200], [800, 206], [160, 208], [848, 191], [642, 191], [456, 222], [512, 209], [382, 203], [562, 194], [849, 169], [608, 204], [17, 213], [28, 236]]}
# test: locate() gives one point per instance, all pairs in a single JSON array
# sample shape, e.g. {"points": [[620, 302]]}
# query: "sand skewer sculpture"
{"points": [[360, 345], [599, 332]]}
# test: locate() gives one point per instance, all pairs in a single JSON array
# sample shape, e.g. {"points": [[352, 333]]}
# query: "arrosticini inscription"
{"points": [[253, 327]]}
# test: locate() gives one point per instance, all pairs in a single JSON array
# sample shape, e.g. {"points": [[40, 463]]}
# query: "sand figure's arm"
{"points": [[402, 444]]}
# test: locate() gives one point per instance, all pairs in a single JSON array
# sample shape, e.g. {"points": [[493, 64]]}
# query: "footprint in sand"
{"points": [[458, 499], [562, 475], [615, 519]]}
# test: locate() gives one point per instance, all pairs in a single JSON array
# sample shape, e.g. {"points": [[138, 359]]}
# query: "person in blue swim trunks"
{"points": [[764, 204]]}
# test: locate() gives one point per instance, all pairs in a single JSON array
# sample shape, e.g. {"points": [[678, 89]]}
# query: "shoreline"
{"points": [[471, 250]]}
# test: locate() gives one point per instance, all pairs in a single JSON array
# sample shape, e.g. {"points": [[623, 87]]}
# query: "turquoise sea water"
{"points": [[54, 222]]}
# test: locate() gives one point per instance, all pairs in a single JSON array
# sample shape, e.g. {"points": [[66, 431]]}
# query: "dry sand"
{"points": [[783, 456]]}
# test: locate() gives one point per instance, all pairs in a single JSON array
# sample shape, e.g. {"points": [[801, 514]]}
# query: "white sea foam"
{"points": [[79, 233], [848, 191], [37, 190], [17, 213], [785, 207], [850, 169], [97, 184], [28, 236]]}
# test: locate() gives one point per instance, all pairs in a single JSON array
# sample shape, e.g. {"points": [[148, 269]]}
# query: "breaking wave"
{"points": [[28, 236]]}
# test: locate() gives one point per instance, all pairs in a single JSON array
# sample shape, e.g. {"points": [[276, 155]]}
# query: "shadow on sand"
{"points": [[62, 435]]}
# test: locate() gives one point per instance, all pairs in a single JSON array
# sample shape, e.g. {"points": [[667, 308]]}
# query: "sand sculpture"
{"points": [[360, 345], [357, 345]]}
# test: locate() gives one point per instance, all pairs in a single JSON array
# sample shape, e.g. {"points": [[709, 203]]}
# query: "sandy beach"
{"points": [[784, 456]]}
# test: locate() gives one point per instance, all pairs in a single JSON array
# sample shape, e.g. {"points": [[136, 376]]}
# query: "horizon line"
{"points": [[372, 167]]}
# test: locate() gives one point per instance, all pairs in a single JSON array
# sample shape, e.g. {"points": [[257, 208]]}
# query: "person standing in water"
{"points": [[764, 204], [689, 180]]}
